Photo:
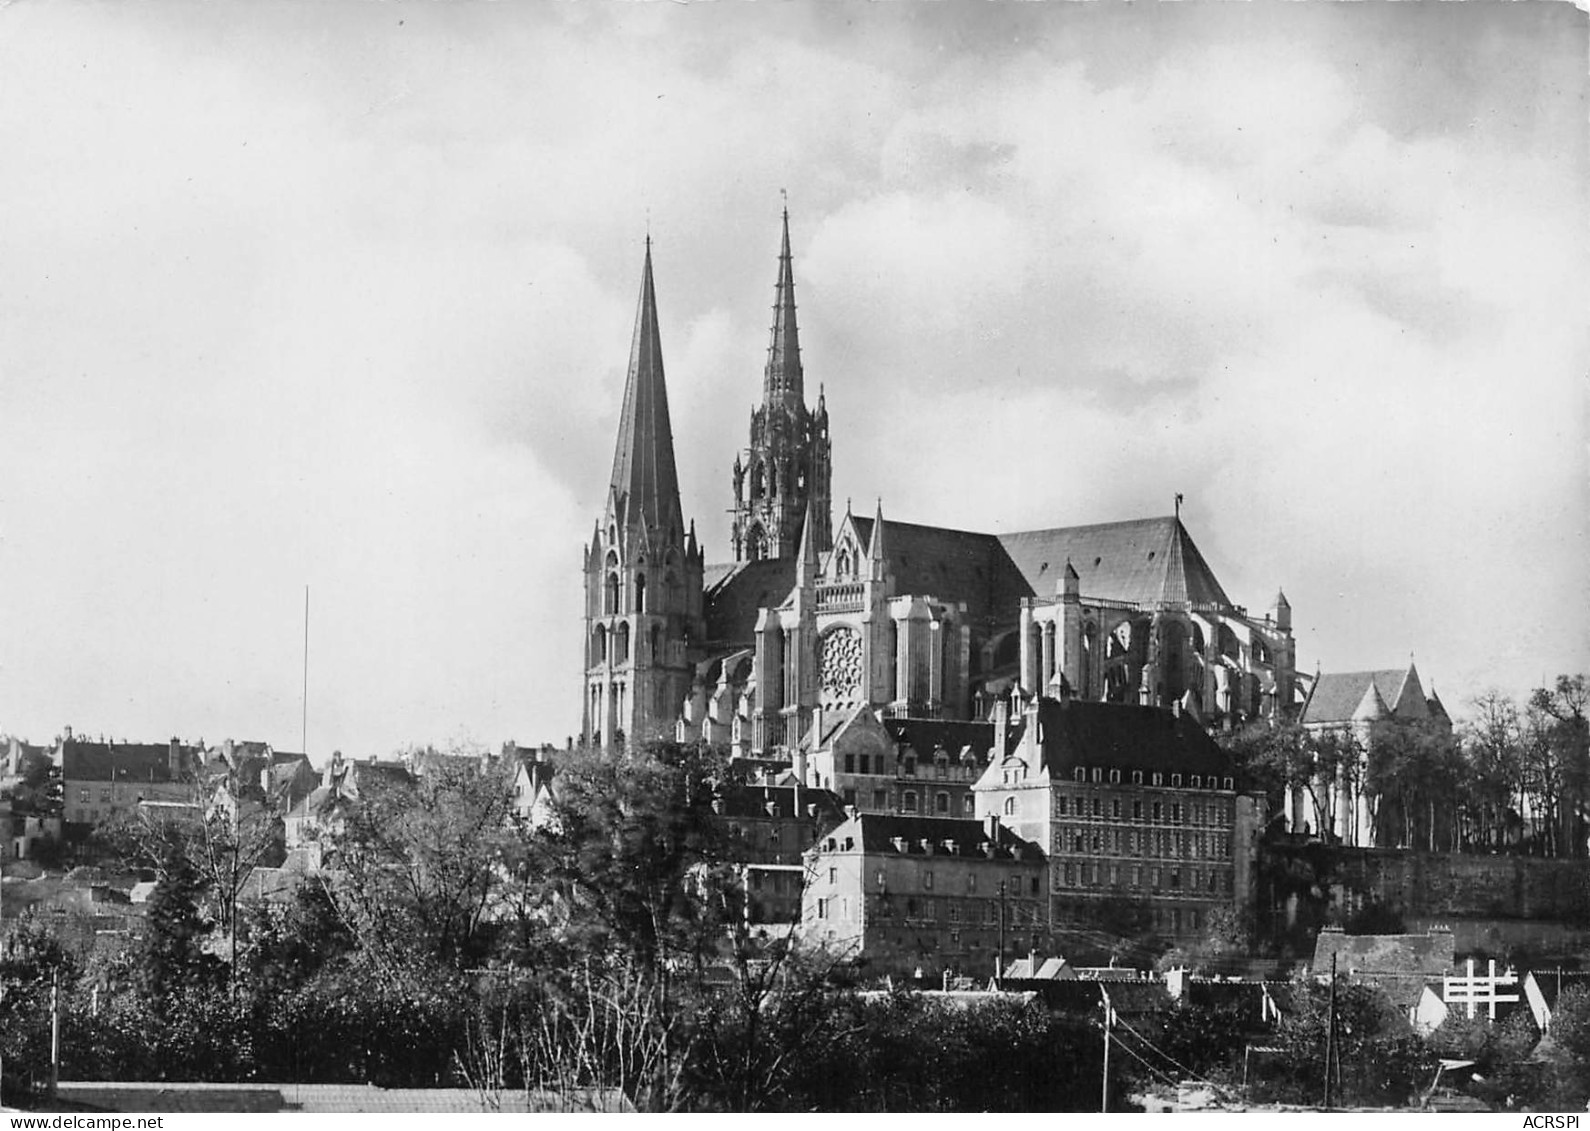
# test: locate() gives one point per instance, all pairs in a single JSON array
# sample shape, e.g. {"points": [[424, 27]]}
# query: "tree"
{"points": [[1557, 763], [1416, 771], [1492, 746], [422, 865]]}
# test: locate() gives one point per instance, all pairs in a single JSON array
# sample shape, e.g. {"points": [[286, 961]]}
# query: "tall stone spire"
{"points": [[643, 571], [782, 381], [645, 485], [784, 472]]}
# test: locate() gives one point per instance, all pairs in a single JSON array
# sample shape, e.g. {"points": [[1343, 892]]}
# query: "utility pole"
{"points": [[55, 1030], [1109, 1021], [999, 975], [1330, 1033]]}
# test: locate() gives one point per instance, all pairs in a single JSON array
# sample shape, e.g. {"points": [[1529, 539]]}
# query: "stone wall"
{"points": [[1433, 885]]}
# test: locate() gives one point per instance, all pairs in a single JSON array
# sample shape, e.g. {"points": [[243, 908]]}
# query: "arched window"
{"points": [[640, 592], [758, 481], [755, 545], [610, 600], [1010, 806], [599, 644], [941, 803], [621, 643], [656, 644]]}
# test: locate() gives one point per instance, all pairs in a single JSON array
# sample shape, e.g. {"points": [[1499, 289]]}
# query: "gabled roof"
{"points": [[1146, 560], [952, 565], [737, 592], [1341, 697], [1078, 733]]}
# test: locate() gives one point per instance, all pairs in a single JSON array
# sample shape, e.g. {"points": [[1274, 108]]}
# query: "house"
{"points": [[1400, 966], [105, 780], [923, 893], [1132, 804], [314, 823], [771, 825]]}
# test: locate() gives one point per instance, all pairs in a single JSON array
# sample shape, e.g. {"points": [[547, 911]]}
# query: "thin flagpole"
{"points": [[304, 733]]}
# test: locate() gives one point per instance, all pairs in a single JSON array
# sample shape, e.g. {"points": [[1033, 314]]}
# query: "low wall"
{"points": [[1441, 885]]}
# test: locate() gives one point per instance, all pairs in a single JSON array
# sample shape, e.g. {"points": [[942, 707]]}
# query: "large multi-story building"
{"points": [[1135, 806], [904, 893]]}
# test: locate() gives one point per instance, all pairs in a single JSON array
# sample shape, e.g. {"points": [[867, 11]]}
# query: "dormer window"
{"points": [[1115, 777], [1159, 779], [1196, 781], [1137, 777], [1081, 774], [1228, 783], [1175, 781], [1098, 775]]}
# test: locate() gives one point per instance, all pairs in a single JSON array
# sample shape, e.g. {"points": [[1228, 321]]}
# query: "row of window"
{"points": [[1156, 842], [943, 767], [1194, 781], [1010, 886], [1196, 881], [955, 911], [1217, 813]]}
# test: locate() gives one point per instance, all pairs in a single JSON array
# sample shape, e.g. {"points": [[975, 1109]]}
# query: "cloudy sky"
{"points": [[340, 295]]}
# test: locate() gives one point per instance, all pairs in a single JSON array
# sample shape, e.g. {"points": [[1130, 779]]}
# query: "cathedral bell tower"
{"points": [[786, 470], [643, 569]]}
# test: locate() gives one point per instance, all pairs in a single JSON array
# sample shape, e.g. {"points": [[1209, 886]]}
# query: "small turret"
{"points": [[1281, 611]]}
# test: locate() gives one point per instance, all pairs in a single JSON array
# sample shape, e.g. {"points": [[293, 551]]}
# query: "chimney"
{"points": [[800, 763], [1001, 728], [991, 827]]}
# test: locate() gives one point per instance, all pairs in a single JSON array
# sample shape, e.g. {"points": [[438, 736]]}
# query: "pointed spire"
{"points": [[645, 486], [875, 550], [783, 378], [806, 565]]}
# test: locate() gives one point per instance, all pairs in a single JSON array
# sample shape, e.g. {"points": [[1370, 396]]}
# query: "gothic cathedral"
{"points": [[815, 627]]}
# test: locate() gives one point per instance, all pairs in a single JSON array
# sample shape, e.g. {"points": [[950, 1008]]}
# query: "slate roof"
{"points": [[1338, 696], [1142, 560], [1393, 961], [121, 761], [748, 801], [1075, 732], [879, 831], [952, 565], [1086, 996], [926, 735], [736, 592]]}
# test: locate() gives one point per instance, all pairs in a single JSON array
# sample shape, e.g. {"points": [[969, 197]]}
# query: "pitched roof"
{"points": [[645, 483], [1145, 560], [952, 565], [1076, 733], [926, 735], [122, 761], [1340, 697], [749, 801], [737, 592], [1410, 957], [879, 831]]}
